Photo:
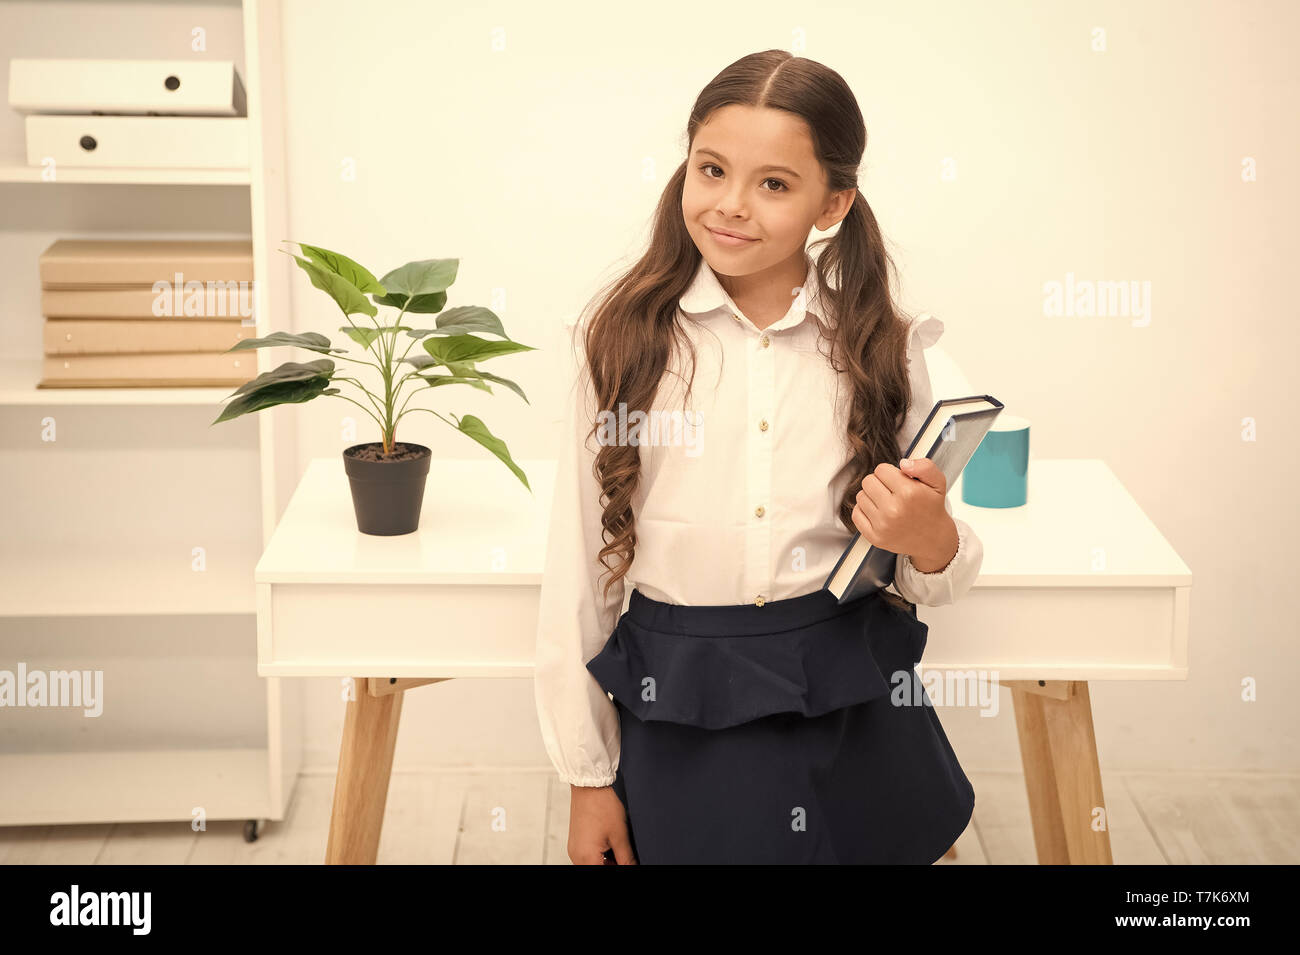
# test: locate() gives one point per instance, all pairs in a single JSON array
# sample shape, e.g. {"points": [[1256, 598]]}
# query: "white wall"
{"points": [[527, 162]]}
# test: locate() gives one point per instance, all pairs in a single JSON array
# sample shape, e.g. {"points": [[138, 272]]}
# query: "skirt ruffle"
{"points": [[814, 656], [772, 734]]}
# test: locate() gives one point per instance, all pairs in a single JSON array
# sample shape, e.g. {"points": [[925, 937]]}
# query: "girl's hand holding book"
{"points": [[903, 511]]}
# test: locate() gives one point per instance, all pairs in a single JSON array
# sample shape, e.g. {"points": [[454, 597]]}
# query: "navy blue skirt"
{"points": [[795, 732]]}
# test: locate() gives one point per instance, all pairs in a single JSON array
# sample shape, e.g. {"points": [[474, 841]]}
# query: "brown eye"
{"points": [[708, 165]]}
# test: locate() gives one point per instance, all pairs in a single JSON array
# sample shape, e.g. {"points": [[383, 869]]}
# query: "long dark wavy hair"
{"points": [[634, 320]]}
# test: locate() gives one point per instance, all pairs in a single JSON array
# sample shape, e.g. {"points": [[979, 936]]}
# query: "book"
{"points": [[229, 300], [82, 264], [162, 370], [948, 436], [123, 336]]}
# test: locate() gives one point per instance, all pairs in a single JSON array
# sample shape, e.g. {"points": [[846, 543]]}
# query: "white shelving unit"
{"points": [[147, 177], [133, 524], [18, 378]]}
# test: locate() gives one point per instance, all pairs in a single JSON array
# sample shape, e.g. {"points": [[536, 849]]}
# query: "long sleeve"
{"points": [[579, 722], [954, 581]]}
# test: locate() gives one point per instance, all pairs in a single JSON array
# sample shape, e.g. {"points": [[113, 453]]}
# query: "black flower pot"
{"points": [[387, 494]]}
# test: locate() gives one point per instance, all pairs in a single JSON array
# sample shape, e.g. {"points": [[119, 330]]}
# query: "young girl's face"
{"points": [[752, 171]]}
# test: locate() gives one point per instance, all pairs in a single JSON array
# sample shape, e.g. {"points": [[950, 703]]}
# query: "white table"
{"points": [[1077, 585]]}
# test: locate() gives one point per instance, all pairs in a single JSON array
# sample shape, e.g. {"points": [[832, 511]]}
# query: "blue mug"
{"points": [[997, 474]]}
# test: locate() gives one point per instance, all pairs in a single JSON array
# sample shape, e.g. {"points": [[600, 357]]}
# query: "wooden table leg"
{"points": [[361, 785], [1059, 752]]}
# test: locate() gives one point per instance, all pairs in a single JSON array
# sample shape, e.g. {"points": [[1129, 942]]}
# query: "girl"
{"points": [[735, 712]]}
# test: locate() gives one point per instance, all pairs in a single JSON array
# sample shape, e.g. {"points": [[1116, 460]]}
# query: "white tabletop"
{"points": [[1079, 527], [1077, 584], [478, 525]]}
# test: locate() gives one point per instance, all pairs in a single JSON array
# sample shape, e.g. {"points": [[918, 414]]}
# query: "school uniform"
{"points": [[740, 713]]}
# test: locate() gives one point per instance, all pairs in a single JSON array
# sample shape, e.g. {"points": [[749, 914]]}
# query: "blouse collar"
{"points": [[706, 294]]}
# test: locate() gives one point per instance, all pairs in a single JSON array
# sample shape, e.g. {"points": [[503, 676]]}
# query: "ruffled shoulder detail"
{"points": [[715, 682], [926, 330]]}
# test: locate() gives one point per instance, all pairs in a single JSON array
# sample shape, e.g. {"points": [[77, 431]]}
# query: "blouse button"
{"points": [[759, 601], [763, 341], [759, 510], [736, 317], [762, 425]]}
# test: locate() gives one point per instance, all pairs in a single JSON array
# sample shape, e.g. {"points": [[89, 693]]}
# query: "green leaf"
{"points": [[364, 336], [477, 430], [423, 304], [461, 319], [466, 369], [420, 286], [422, 278], [347, 295], [503, 381], [436, 380], [289, 371], [313, 341], [282, 393], [356, 274], [470, 348]]}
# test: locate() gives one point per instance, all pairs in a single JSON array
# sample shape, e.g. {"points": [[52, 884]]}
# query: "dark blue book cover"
{"points": [[948, 436]]}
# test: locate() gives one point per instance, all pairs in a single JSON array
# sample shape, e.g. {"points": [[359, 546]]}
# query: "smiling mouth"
{"points": [[730, 235]]}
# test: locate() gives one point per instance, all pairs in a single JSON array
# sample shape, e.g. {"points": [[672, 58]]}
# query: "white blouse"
{"points": [[737, 503]]}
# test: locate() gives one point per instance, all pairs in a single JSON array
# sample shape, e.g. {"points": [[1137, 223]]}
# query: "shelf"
{"points": [[75, 581], [97, 554], [18, 380], [128, 176], [161, 785]]}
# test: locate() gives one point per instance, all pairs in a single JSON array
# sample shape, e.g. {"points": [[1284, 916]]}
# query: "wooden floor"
{"points": [[503, 818]]}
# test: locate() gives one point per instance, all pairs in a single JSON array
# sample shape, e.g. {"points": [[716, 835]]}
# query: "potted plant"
{"points": [[387, 477]]}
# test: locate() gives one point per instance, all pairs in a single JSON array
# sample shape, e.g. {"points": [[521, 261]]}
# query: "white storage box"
{"points": [[162, 87], [151, 142]]}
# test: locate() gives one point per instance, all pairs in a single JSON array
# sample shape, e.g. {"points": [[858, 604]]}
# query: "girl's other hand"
{"points": [[598, 822]]}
